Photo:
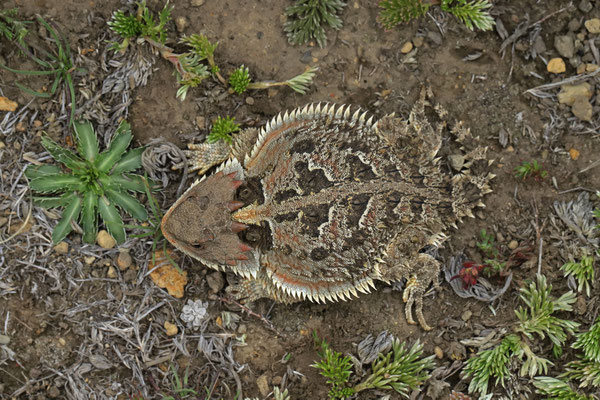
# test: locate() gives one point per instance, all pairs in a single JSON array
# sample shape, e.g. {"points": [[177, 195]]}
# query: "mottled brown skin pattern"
{"points": [[323, 201]]}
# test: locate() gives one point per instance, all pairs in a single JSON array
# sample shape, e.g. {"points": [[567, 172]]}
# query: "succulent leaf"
{"points": [[128, 203], [119, 143], [87, 145], [131, 161], [56, 182], [112, 219], [62, 155], [71, 212], [89, 220]]}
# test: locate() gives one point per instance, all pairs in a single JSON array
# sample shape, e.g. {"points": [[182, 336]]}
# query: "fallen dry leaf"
{"points": [[7, 105], [165, 275]]}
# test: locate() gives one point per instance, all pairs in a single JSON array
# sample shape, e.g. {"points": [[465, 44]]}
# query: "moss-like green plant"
{"points": [[222, 129], [533, 169], [472, 13], [12, 28], [92, 183], [306, 18], [536, 319], [239, 80], [402, 369], [144, 23], [557, 389], [582, 271]]}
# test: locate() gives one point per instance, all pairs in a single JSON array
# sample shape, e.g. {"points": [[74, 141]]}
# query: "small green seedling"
{"points": [[57, 63], [533, 169], [239, 80], [144, 24], [487, 244], [198, 63], [222, 129], [582, 271], [402, 369], [179, 388], [12, 28], [306, 18], [536, 322], [472, 13], [92, 183]]}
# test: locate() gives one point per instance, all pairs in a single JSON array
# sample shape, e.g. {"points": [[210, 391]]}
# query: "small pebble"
{"points": [[37, 123], [124, 260], [585, 6], [263, 385], [582, 109], [556, 66], [466, 315], [574, 25], [21, 127], [277, 380], [406, 48], [499, 237], [112, 272], [513, 244], [215, 281], [62, 248], [200, 122], [181, 23], [62, 341], [89, 260], [250, 100], [564, 45], [105, 240], [593, 25], [4, 339], [418, 41], [439, 353], [171, 328], [574, 153]]}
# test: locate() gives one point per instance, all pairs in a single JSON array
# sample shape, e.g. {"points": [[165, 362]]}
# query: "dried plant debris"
{"points": [[578, 216], [483, 290]]}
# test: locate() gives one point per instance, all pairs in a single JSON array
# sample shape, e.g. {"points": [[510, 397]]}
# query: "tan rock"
{"points": [[418, 41], [556, 66], [582, 109], [574, 153], [171, 328], [105, 240], [593, 25], [263, 385], [569, 93], [513, 244], [406, 47], [124, 260], [591, 67], [112, 272], [7, 105], [62, 248]]}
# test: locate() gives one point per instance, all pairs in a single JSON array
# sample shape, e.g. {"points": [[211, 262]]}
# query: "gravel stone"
{"points": [[104, 240], [569, 93], [556, 66], [513, 244], [124, 260], [62, 248], [585, 6], [574, 25], [263, 385], [564, 45], [593, 25], [582, 109]]}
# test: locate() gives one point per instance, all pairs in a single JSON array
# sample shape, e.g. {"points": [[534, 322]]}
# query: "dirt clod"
{"points": [[105, 240]]}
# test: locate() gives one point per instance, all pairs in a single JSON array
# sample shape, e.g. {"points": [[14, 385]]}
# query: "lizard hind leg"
{"points": [[425, 271]]}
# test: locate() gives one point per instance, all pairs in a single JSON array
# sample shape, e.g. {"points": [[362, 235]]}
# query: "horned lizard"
{"points": [[323, 200]]}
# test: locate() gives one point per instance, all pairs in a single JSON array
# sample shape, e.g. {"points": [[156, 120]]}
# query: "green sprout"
{"points": [[222, 129], [402, 369], [586, 369], [144, 24], [582, 271], [557, 389], [335, 368], [298, 83], [239, 79], [94, 183], [536, 319], [306, 19], [487, 245], [473, 14], [179, 387], [13, 29], [527, 169], [58, 64]]}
